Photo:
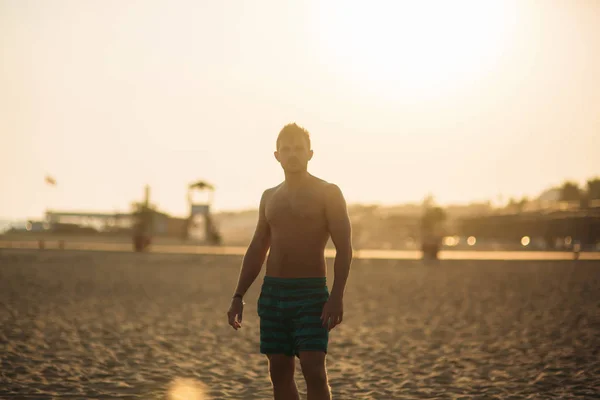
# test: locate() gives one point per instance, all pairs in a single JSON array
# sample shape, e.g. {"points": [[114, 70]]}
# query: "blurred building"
{"points": [[161, 224]]}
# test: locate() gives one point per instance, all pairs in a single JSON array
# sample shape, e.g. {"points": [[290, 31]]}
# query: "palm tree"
{"points": [[431, 223], [593, 189], [570, 191]]}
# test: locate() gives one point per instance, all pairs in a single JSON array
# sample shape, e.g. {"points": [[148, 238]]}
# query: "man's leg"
{"points": [[311, 338], [281, 370], [315, 373]]}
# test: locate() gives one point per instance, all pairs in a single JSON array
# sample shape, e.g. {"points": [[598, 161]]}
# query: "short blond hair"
{"points": [[291, 130]]}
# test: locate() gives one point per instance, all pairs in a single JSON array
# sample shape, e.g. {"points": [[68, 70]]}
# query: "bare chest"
{"points": [[299, 209]]}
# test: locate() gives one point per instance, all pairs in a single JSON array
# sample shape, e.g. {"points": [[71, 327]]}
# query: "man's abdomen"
{"points": [[296, 262]]}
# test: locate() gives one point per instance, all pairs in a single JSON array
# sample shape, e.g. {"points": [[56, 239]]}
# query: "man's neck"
{"points": [[296, 179]]}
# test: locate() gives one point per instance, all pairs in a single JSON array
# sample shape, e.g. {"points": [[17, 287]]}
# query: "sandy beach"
{"points": [[78, 324]]}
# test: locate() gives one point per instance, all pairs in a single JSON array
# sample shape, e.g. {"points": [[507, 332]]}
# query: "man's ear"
{"points": [[276, 154], [310, 155]]}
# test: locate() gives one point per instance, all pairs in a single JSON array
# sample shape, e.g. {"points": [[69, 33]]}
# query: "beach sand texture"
{"points": [[149, 326]]}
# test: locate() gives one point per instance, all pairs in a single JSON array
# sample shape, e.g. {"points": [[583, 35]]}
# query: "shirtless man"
{"points": [[296, 310]]}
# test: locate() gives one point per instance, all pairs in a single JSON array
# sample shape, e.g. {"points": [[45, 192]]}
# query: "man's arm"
{"points": [[341, 235], [257, 250]]}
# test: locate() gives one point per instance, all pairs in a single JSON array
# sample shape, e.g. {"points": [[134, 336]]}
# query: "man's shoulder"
{"points": [[269, 191], [330, 192], [327, 187], [323, 183]]}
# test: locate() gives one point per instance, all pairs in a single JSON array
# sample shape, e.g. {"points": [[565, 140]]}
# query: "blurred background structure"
{"points": [[487, 106]]}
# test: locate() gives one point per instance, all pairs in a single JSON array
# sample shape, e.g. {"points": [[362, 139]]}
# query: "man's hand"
{"points": [[333, 312], [235, 313]]}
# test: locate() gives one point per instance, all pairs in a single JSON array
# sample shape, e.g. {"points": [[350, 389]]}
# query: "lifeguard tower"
{"points": [[200, 198]]}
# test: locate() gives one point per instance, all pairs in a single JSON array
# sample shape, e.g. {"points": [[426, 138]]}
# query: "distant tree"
{"points": [[522, 203], [433, 215], [428, 201], [139, 207], [593, 189], [517, 205], [143, 217], [431, 233], [432, 218], [570, 191]]}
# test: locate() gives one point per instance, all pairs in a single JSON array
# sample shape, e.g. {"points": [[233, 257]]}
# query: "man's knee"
{"points": [[281, 369], [313, 367]]}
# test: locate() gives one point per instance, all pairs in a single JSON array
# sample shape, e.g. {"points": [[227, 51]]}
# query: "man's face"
{"points": [[293, 153]]}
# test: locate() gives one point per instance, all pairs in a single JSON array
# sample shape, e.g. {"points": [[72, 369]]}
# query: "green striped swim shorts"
{"points": [[290, 315]]}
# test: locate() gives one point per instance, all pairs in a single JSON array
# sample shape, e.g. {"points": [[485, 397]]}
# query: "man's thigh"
{"points": [[276, 336], [281, 363], [313, 363], [275, 342], [309, 333]]}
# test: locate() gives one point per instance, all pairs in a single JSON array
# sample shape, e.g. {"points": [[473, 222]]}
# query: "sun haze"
{"points": [[467, 100]]}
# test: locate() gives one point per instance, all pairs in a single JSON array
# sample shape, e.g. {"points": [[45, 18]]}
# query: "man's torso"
{"points": [[299, 230]]}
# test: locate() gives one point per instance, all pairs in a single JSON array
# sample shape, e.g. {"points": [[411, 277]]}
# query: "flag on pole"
{"points": [[50, 180]]}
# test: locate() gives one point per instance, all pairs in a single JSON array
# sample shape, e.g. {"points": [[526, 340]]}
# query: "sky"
{"points": [[467, 100]]}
